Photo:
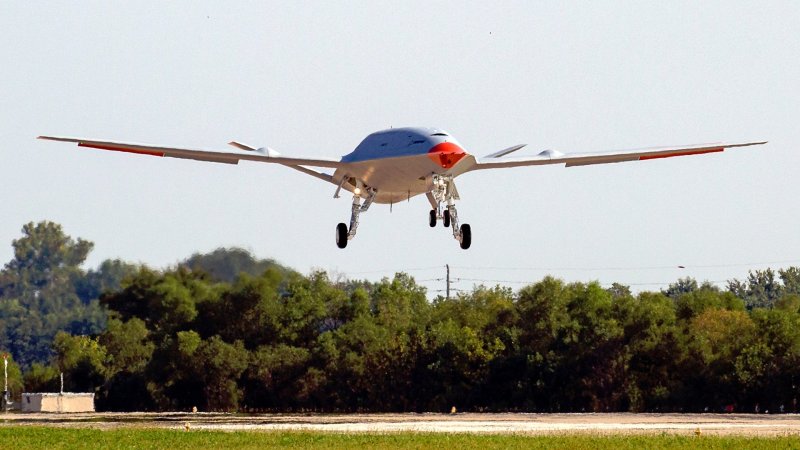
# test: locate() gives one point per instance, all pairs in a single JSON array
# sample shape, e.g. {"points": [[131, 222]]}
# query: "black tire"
{"points": [[446, 218], [432, 218], [341, 235], [466, 236]]}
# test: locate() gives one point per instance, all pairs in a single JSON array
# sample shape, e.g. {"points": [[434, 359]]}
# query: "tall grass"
{"points": [[34, 437]]}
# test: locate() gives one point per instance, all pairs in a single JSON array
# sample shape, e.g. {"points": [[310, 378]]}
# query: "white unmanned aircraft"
{"points": [[396, 164]]}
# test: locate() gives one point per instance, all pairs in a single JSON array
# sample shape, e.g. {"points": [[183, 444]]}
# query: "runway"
{"points": [[614, 423]]}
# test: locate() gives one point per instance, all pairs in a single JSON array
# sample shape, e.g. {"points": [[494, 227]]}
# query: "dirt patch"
{"points": [[620, 423]]}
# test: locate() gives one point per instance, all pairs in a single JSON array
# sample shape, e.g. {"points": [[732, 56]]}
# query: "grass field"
{"points": [[33, 437]]}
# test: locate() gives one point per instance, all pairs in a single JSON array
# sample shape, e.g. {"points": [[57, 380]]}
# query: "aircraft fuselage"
{"points": [[399, 163]]}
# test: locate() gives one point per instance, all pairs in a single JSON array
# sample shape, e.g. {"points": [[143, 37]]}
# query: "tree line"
{"points": [[227, 332]]}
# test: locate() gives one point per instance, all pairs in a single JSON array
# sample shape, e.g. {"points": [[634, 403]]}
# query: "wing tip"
{"points": [[745, 144], [57, 138]]}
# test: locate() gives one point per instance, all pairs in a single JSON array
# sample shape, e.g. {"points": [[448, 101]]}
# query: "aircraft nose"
{"points": [[446, 154]]}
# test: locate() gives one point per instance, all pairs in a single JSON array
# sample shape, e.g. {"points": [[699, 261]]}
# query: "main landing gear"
{"points": [[442, 198], [343, 234], [445, 192]]}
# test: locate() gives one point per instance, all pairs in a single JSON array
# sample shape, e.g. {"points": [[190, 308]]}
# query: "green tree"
{"points": [[533, 377], [108, 277], [127, 344], [226, 264], [272, 378], [457, 362], [760, 290], [187, 371], [250, 336], [594, 341], [303, 309], [219, 366], [249, 310], [789, 303], [358, 364], [38, 296], [680, 287], [82, 360], [43, 256], [400, 304], [771, 366], [15, 380], [694, 303], [791, 280], [166, 302], [172, 381], [653, 342], [717, 338], [41, 378]]}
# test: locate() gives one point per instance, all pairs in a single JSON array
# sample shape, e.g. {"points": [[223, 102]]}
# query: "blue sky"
{"points": [[314, 78]]}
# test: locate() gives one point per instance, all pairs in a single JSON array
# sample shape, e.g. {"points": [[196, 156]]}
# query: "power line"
{"points": [[415, 269], [654, 283], [567, 269], [598, 268], [450, 281]]}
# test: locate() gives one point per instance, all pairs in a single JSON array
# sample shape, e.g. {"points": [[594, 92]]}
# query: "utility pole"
{"points": [[5, 375], [448, 280]]}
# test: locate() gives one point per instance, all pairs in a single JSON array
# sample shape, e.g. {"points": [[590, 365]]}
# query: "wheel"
{"points": [[446, 218], [432, 219], [341, 235], [466, 236]]}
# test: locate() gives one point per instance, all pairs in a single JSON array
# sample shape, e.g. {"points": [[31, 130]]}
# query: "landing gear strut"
{"points": [[343, 234], [442, 198]]}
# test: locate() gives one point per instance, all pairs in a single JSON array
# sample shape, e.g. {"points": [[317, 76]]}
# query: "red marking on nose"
{"points": [[446, 154]]}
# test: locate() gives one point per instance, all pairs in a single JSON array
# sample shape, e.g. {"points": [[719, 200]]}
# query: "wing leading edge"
{"points": [[202, 155], [585, 159]]}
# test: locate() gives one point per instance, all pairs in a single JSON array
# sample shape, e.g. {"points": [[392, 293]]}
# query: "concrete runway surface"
{"points": [[614, 423]]}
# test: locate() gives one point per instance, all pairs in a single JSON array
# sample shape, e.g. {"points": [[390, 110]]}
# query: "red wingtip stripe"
{"points": [[121, 149], [686, 153]]}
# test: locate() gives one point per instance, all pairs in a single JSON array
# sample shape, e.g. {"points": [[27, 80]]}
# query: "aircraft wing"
{"points": [[585, 159], [266, 156]]}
